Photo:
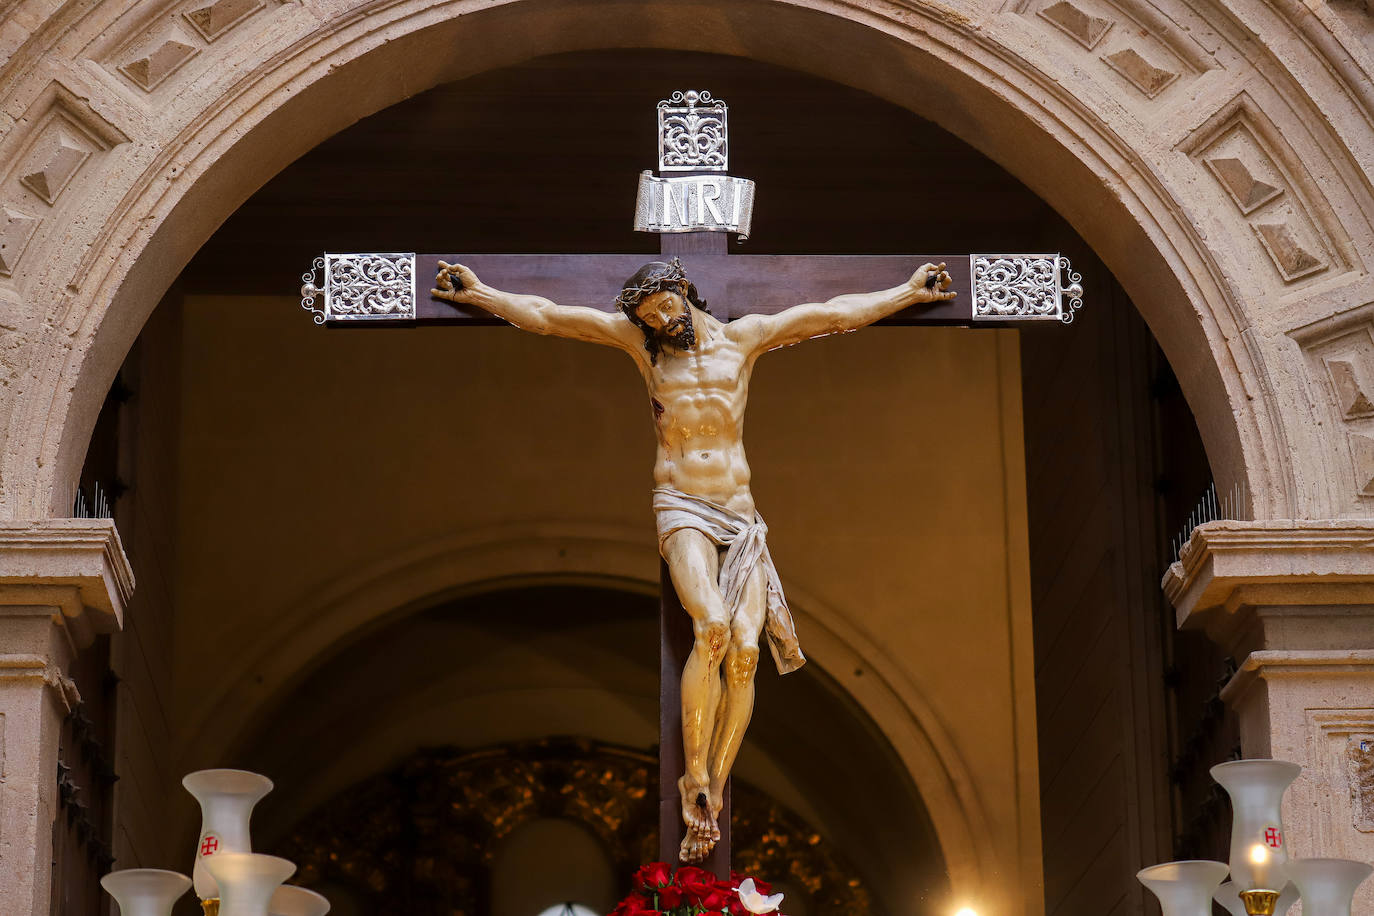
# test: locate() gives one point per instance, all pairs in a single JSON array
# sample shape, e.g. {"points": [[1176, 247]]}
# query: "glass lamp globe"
{"points": [[289, 900], [1228, 895], [1184, 888], [1258, 848], [1327, 885], [226, 801], [247, 881], [145, 891]]}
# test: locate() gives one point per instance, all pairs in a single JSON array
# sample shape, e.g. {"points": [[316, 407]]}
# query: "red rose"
{"points": [[696, 882], [638, 906], [653, 876], [692, 873], [633, 905], [718, 899], [669, 897]]}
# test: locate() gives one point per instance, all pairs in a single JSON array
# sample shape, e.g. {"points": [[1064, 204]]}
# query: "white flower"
{"points": [[755, 902]]}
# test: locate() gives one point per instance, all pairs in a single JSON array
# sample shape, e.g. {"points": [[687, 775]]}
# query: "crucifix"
{"points": [[695, 322]]}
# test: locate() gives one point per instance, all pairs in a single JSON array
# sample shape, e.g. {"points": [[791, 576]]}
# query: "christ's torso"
{"points": [[698, 398]]}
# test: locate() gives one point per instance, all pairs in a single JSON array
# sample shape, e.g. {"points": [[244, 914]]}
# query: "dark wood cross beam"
{"points": [[733, 285]]}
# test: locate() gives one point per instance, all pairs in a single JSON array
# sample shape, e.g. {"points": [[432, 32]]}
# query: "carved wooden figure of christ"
{"points": [[710, 534]]}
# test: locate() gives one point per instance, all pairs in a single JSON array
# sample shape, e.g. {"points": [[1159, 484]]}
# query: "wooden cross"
{"points": [[991, 291], [734, 285]]}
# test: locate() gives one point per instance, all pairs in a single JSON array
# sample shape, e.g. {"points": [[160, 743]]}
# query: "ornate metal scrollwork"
{"points": [[1074, 290], [362, 287], [310, 292], [692, 131], [1025, 288]]}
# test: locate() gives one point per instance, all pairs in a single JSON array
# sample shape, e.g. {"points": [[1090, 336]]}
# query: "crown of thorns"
{"points": [[630, 295]]}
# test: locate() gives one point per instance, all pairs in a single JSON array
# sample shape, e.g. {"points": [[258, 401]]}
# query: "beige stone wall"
{"points": [[400, 463]]}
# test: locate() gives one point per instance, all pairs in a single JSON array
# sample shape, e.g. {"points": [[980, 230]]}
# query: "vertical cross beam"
{"points": [[675, 644]]}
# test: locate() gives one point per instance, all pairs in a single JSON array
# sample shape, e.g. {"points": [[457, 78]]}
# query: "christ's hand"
{"points": [[455, 283], [931, 283]]}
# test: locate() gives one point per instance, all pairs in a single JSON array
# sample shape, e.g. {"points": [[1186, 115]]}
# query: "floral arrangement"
{"points": [[695, 892]]}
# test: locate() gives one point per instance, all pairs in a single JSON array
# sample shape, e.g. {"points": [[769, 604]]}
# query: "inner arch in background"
{"points": [[349, 612], [457, 709]]}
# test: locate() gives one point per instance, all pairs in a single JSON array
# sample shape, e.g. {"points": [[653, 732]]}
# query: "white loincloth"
{"points": [[745, 547]]}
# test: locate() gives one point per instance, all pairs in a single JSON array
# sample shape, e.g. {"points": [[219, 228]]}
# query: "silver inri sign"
{"points": [[693, 138]]}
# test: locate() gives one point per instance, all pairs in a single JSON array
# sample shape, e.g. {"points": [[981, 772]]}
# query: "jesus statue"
{"points": [[710, 534]]}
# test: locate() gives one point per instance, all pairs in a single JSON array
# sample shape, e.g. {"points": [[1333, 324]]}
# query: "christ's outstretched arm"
{"points": [[457, 283], [930, 283]]}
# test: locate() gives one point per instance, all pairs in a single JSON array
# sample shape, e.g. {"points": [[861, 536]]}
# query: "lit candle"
{"points": [[1260, 867]]}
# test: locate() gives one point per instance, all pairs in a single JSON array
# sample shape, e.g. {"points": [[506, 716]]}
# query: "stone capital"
{"points": [[76, 566], [1229, 569]]}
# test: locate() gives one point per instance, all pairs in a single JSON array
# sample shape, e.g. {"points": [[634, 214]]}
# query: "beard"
{"points": [[683, 337]]}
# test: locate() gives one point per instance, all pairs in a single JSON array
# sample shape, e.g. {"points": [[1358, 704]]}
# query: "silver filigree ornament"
{"points": [[362, 287], [1074, 290], [1024, 287], [310, 292], [692, 133]]}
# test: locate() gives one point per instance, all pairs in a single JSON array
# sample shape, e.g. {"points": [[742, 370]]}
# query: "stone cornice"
{"points": [[1303, 664], [1228, 564], [76, 565]]}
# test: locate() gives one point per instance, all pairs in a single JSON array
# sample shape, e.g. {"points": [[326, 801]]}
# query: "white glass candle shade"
{"points": [[1228, 895], [1327, 885], [145, 891], [1184, 888], [290, 900], [226, 801], [247, 881], [1259, 849]]}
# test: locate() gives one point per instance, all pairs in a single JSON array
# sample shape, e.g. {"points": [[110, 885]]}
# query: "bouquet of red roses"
{"points": [[695, 892]]}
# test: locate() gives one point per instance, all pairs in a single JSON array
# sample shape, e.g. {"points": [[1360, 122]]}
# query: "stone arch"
{"points": [[349, 605], [1209, 154]]}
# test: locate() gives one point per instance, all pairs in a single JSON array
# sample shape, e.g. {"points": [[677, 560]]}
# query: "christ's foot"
{"points": [[717, 803], [696, 847], [699, 816]]}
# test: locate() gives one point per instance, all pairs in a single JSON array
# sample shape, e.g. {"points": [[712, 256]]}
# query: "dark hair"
{"points": [[651, 278]]}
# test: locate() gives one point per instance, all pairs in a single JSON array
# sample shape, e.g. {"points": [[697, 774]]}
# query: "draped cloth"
{"points": [[746, 547]]}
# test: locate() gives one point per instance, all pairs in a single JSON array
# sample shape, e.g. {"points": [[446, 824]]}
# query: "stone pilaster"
{"points": [[1293, 603], [61, 582]]}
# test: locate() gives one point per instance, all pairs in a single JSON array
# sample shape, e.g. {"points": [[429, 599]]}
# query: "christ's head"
{"points": [[659, 300]]}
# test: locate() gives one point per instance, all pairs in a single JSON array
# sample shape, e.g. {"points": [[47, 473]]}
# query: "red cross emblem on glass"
{"points": [[208, 845], [1273, 838]]}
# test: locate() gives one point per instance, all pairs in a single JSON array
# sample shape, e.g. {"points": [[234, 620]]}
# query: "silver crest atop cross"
{"points": [[693, 138]]}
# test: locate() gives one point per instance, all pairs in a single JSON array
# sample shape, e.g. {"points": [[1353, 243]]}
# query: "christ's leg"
{"points": [[741, 661], [693, 562]]}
